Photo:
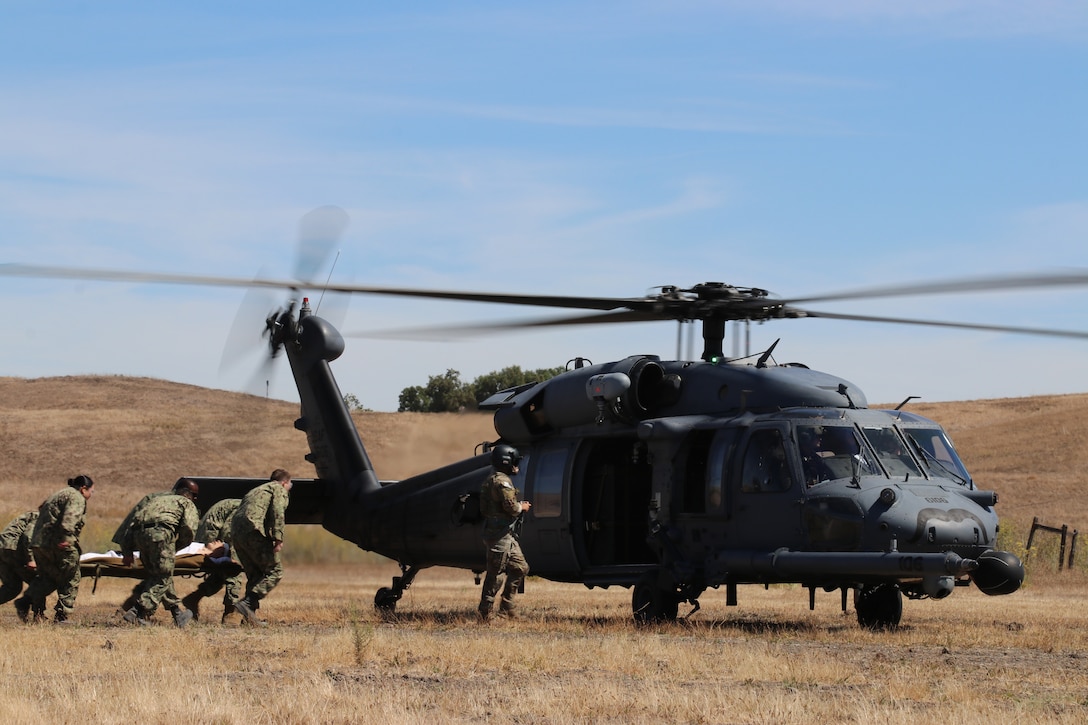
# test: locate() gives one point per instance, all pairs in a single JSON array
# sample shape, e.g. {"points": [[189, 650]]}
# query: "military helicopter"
{"points": [[666, 477]]}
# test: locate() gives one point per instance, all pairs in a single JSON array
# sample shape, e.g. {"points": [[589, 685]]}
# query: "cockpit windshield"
{"points": [[935, 449], [892, 452], [832, 452]]}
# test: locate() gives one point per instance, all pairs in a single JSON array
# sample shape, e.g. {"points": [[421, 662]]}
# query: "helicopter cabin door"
{"points": [[547, 540], [765, 493], [610, 498]]}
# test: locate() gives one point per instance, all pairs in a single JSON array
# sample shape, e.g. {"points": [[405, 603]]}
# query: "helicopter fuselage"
{"points": [[674, 477]]}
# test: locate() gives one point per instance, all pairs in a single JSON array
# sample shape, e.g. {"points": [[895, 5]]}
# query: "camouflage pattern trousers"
{"points": [[504, 562], [156, 547], [13, 573], [216, 580], [261, 564], [58, 571]]}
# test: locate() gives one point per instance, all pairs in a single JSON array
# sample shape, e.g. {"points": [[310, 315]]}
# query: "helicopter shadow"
{"points": [[747, 624]]}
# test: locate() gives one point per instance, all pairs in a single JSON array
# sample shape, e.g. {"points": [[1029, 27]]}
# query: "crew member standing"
{"points": [[160, 526], [55, 543], [16, 563], [501, 510], [257, 538]]}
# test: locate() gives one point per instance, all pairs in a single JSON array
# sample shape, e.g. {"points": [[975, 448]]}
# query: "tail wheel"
{"points": [[879, 607], [651, 603]]}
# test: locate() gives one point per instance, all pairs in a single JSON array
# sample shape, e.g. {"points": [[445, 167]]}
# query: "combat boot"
{"points": [[506, 610], [61, 617], [249, 610], [129, 603], [228, 611], [192, 603], [136, 615], [182, 617]]}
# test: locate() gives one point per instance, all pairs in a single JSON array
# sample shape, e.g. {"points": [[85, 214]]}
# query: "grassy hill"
{"points": [[135, 435]]}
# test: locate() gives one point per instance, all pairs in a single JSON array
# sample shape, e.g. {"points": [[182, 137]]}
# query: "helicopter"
{"points": [[665, 477]]}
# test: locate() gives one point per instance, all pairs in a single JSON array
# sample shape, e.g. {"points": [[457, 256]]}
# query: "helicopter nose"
{"points": [[943, 528]]}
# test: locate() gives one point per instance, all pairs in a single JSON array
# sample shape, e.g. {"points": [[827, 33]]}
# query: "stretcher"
{"points": [[195, 560]]}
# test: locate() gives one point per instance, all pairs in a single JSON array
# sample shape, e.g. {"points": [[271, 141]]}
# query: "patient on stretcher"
{"points": [[194, 558]]}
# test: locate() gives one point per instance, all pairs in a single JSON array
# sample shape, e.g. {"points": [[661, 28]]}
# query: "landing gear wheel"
{"points": [[650, 603], [879, 607], [385, 601]]}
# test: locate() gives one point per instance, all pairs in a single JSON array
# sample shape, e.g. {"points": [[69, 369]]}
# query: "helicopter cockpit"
{"points": [[832, 452], [842, 452]]}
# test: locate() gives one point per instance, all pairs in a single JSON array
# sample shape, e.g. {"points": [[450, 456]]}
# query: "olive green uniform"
{"points": [[158, 526], [15, 556], [55, 543], [216, 526], [255, 528], [500, 506]]}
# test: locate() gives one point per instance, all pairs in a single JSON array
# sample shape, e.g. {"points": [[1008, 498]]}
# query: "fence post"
{"points": [[1031, 534]]}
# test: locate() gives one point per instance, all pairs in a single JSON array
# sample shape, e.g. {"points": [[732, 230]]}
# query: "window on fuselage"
{"points": [[936, 451], [830, 452], [765, 466], [892, 451], [721, 454], [548, 484]]}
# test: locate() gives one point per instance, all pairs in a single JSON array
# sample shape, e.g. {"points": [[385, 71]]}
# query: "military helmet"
{"points": [[505, 457]]}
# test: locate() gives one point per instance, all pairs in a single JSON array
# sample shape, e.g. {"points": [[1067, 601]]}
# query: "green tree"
{"points": [[442, 394], [488, 384], [353, 402], [447, 393], [411, 400]]}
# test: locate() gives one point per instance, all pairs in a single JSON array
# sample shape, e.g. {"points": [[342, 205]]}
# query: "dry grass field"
{"points": [[574, 655]]}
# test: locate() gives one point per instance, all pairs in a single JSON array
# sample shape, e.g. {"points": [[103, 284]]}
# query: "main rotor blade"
{"points": [[116, 275], [1073, 278], [955, 325], [318, 232], [113, 275], [466, 331]]}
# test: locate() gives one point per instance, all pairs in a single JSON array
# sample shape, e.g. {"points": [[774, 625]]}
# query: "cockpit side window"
{"points": [[831, 452], [765, 465]]}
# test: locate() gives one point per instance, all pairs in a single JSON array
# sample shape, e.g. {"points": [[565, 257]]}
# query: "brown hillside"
{"points": [[133, 435]]}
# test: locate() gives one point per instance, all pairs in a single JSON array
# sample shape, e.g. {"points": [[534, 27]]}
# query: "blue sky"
{"points": [[572, 148]]}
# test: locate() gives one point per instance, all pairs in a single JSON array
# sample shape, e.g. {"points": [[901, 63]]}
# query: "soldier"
{"points": [[257, 538], [215, 526], [158, 526], [501, 511], [16, 563], [123, 534], [55, 546]]}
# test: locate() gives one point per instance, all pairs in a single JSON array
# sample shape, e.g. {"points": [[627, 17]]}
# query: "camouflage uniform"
{"points": [[216, 526], [123, 537], [500, 507], [158, 526], [124, 540], [255, 528], [15, 556], [55, 543]]}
